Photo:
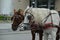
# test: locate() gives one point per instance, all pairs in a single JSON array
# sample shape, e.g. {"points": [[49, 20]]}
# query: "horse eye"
{"points": [[29, 17]]}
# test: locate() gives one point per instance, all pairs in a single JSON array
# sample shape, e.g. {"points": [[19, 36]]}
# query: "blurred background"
{"points": [[6, 12]]}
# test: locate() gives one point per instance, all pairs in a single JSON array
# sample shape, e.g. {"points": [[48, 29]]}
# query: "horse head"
{"points": [[27, 19], [17, 18]]}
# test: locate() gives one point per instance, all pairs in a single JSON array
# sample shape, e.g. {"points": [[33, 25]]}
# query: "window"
{"points": [[32, 3], [43, 3], [59, 13]]}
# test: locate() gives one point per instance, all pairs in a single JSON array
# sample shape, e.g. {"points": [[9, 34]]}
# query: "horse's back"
{"points": [[40, 13], [55, 17]]}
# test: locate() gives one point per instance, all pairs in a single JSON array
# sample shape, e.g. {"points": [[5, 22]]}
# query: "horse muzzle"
{"points": [[14, 27]]}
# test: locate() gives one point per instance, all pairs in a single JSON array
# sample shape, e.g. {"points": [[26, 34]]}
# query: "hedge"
{"points": [[4, 17]]}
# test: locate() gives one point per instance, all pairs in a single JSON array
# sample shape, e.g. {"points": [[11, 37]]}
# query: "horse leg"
{"points": [[40, 34], [57, 36], [33, 35]]}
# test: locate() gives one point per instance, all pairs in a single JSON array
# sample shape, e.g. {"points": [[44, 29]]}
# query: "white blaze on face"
{"points": [[27, 11], [26, 19]]}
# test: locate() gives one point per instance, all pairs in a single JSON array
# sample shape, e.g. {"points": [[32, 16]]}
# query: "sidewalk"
{"points": [[5, 21], [5, 25], [15, 32]]}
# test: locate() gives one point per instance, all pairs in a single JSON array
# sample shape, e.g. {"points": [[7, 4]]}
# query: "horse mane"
{"points": [[17, 13]]}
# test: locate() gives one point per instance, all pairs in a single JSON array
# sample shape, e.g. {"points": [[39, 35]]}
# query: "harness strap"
{"points": [[47, 17]]}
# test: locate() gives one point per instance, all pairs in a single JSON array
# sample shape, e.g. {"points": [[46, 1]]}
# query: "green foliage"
{"points": [[1, 17], [5, 17]]}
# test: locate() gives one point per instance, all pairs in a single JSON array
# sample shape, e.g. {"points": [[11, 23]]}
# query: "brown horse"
{"points": [[36, 28], [17, 18]]}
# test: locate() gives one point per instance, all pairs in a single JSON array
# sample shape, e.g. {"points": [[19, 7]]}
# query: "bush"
{"points": [[1, 17]]}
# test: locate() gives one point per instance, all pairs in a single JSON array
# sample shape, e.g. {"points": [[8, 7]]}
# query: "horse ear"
{"points": [[14, 11]]}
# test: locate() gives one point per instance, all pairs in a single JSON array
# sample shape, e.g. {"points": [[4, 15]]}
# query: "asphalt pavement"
{"points": [[6, 33]]}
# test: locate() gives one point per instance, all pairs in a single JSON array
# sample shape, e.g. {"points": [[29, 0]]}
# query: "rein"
{"points": [[47, 17]]}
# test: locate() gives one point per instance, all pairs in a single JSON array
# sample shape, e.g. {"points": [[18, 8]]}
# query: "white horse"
{"points": [[40, 15]]}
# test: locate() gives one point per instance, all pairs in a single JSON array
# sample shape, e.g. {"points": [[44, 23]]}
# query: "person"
{"points": [[51, 25]]}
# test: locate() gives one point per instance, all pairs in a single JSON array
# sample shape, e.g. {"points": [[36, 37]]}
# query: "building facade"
{"points": [[7, 6], [52, 4], [22, 4]]}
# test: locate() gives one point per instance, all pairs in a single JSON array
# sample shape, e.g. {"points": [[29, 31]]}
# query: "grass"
{"points": [[5, 21]]}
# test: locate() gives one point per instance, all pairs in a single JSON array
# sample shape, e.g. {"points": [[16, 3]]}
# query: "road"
{"points": [[5, 25], [7, 34], [17, 35]]}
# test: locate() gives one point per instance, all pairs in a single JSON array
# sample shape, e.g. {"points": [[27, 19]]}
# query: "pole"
{"points": [[49, 2], [49, 6], [35, 3]]}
